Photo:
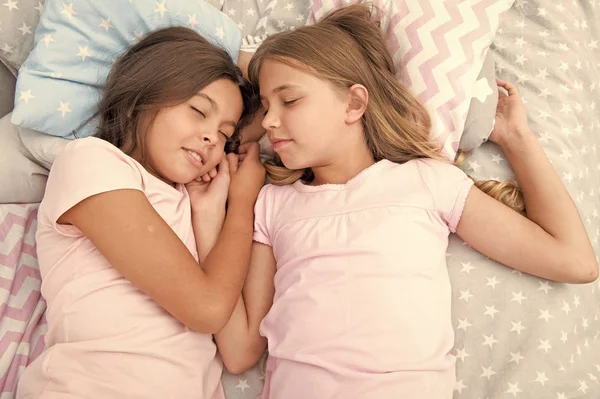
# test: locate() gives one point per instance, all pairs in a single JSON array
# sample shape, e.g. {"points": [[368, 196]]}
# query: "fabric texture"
{"points": [[362, 294], [482, 111], [18, 20], [76, 43], [105, 337]]}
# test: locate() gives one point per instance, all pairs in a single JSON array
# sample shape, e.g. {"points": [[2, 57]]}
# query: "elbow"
{"points": [[585, 270], [210, 321], [244, 358]]}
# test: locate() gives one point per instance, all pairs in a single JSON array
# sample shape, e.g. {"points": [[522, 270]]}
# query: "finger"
{"points": [[241, 157], [213, 173], [509, 87], [252, 150], [233, 160], [206, 178], [224, 165]]}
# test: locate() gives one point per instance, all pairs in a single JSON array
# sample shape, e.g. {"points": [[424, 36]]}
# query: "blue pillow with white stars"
{"points": [[77, 41]]}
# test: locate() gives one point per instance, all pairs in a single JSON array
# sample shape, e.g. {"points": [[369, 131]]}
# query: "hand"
{"points": [[511, 115], [209, 192], [247, 173]]}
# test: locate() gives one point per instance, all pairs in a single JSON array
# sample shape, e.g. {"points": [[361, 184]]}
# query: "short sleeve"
{"points": [[85, 168], [449, 186], [262, 216]]}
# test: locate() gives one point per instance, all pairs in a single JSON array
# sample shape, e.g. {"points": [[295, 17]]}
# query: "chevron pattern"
{"points": [[438, 47], [22, 322]]}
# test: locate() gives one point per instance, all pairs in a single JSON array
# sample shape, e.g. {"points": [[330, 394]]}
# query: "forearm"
{"points": [[239, 342], [227, 263], [547, 201], [207, 226]]}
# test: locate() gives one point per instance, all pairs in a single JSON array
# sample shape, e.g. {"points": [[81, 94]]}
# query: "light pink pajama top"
{"points": [[362, 294]]}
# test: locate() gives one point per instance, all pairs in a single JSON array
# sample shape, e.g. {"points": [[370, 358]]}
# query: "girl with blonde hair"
{"points": [[348, 281]]}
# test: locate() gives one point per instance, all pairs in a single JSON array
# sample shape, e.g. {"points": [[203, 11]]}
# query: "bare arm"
{"points": [[239, 342], [552, 242], [137, 242]]}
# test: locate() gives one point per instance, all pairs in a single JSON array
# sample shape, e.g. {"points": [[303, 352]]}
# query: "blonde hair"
{"points": [[346, 47]]}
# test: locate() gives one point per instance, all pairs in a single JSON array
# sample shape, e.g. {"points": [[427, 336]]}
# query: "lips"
{"points": [[195, 157], [279, 143]]}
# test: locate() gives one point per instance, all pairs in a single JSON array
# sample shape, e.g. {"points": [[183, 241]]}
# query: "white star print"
{"points": [[482, 90], [463, 324], [7, 49], [466, 268], [26, 96], [542, 53], [161, 8], [521, 24], [487, 372], [250, 12], [568, 177], [220, 32], [542, 74], [583, 387], [545, 137], [242, 384], [545, 345], [517, 327], [68, 10], [489, 340], [12, 5], [545, 286], [521, 59], [545, 314], [545, 92], [520, 41], [459, 386], [105, 23], [231, 11], [564, 337], [240, 25], [514, 389], [492, 282], [497, 158], [192, 20], [561, 396], [461, 354], [40, 7], [518, 297], [593, 44], [592, 377], [541, 378], [542, 12], [280, 24], [25, 29], [84, 52], [64, 108], [473, 165], [576, 301], [566, 308], [490, 311], [563, 46], [289, 6], [48, 39], [465, 295], [515, 357]]}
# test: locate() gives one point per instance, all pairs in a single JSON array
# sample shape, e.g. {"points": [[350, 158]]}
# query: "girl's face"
{"points": [[186, 141], [305, 116]]}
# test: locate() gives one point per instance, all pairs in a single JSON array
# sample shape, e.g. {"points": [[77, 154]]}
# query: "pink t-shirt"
{"points": [[106, 339], [362, 294]]}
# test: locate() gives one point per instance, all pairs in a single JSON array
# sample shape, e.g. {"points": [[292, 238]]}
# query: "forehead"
{"points": [[226, 96], [274, 74]]}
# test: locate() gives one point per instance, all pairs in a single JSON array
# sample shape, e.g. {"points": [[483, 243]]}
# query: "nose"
{"points": [[210, 137], [271, 120]]}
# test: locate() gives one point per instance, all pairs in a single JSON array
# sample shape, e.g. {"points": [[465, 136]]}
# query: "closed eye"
{"points": [[198, 111], [227, 137], [289, 102]]}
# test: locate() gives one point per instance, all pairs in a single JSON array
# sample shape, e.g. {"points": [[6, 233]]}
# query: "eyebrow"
{"points": [[281, 88], [215, 107]]}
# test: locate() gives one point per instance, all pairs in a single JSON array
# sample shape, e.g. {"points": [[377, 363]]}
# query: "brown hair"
{"points": [[166, 68], [347, 47]]}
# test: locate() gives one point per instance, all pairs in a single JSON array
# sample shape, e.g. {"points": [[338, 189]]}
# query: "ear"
{"points": [[358, 98]]}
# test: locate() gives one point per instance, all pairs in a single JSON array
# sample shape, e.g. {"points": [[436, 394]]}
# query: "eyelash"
{"points": [[285, 103], [227, 138]]}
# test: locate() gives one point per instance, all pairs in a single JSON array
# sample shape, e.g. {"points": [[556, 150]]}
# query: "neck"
{"points": [[345, 167]]}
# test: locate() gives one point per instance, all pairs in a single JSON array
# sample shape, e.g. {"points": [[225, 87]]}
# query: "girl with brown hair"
{"points": [[348, 281], [140, 262]]}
